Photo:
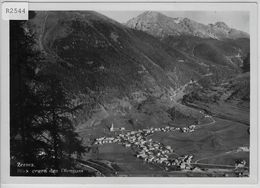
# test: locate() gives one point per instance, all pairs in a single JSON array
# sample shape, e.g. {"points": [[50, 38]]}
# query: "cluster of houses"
{"points": [[189, 129], [106, 140], [240, 164], [184, 163], [138, 137], [148, 150], [154, 152], [240, 168]]}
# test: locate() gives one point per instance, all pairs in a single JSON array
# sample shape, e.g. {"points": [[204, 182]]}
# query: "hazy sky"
{"points": [[235, 19]]}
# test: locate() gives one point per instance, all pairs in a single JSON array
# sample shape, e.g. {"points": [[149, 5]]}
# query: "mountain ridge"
{"points": [[160, 25], [99, 60]]}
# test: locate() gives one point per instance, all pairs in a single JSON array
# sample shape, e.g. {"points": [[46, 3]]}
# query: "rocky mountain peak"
{"points": [[160, 25], [149, 17], [222, 25], [152, 14]]}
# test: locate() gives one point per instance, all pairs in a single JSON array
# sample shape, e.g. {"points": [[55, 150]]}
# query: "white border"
{"points": [[252, 7]]}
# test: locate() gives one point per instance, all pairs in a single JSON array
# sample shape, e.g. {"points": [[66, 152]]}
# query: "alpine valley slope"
{"points": [[217, 43], [108, 68], [108, 56], [99, 57], [119, 75]]}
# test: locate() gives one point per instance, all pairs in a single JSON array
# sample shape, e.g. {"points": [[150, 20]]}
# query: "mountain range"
{"points": [[105, 63], [160, 25]]}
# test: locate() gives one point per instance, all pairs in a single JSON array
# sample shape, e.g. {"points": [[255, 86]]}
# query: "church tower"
{"points": [[112, 128]]}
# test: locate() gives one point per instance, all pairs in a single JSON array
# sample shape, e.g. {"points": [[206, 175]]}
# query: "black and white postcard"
{"points": [[145, 92]]}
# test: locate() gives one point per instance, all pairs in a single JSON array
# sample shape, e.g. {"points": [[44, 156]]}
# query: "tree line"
{"points": [[41, 130]]}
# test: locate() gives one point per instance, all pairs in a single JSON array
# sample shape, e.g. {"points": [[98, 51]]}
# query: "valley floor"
{"points": [[215, 146]]}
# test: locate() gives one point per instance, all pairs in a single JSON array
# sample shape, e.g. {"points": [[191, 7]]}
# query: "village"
{"points": [[159, 154], [148, 150]]}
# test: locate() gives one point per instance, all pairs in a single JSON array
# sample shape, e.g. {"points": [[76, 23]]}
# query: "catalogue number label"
{"points": [[15, 10]]}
